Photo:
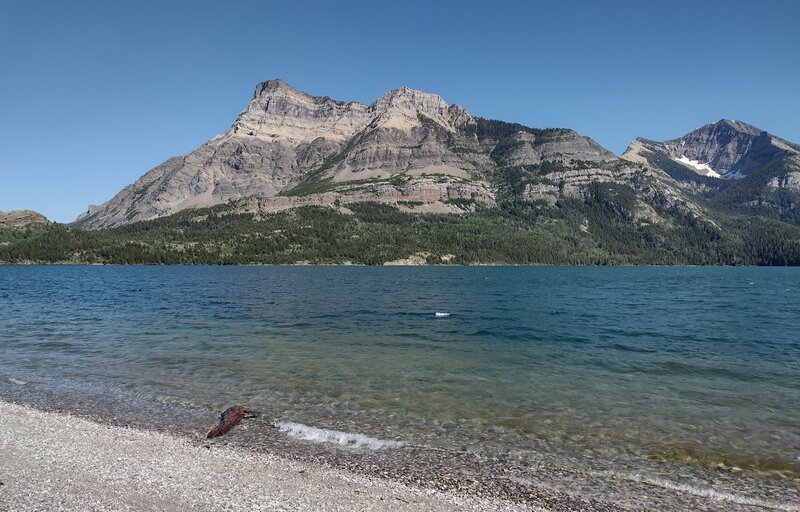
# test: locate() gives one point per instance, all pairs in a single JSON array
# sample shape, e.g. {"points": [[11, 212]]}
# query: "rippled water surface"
{"points": [[692, 365]]}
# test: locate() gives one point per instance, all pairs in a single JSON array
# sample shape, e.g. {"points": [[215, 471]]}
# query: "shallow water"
{"points": [[681, 375]]}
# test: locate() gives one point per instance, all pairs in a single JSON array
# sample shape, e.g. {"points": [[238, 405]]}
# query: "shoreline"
{"points": [[386, 264], [61, 461], [71, 459]]}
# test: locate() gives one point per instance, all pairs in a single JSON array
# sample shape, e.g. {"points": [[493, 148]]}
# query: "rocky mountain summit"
{"points": [[725, 149], [407, 146], [20, 218]]}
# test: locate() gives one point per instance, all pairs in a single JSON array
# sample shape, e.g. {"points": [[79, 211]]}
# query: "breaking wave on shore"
{"points": [[324, 435]]}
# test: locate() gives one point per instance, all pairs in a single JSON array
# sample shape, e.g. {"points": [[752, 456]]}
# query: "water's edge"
{"points": [[549, 484]]}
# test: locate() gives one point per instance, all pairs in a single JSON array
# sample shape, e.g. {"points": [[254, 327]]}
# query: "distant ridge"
{"points": [[19, 218]]}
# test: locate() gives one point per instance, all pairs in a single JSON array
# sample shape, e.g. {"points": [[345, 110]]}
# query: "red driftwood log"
{"points": [[229, 419]]}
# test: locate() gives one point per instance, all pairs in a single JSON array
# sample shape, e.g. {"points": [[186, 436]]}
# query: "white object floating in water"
{"points": [[16, 381], [324, 435], [440, 314]]}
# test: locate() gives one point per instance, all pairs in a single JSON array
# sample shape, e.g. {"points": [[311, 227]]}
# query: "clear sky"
{"points": [[95, 93]]}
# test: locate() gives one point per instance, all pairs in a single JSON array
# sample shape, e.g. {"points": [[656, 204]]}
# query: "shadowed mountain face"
{"points": [[408, 145], [725, 149]]}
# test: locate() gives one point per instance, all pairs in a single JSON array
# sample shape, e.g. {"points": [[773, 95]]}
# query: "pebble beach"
{"points": [[53, 461]]}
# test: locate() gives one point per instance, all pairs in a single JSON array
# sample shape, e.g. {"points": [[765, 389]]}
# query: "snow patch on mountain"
{"points": [[701, 168]]}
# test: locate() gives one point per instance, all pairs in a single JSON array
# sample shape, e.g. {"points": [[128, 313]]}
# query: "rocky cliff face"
{"points": [[725, 149], [789, 180], [286, 143], [20, 218]]}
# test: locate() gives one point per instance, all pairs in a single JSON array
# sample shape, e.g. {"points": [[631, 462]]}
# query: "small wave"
{"points": [[700, 491], [441, 314], [17, 381], [324, 435]]}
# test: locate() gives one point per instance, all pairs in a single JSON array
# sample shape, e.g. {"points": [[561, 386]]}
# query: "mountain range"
{"points": [[287, 148], [711, 196]]}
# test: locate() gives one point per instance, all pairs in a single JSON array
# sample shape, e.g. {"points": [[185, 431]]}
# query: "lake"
{"points": [[674, 377]]}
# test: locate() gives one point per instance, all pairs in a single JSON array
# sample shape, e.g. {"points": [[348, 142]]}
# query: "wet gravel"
{"points": [[507, 480]]}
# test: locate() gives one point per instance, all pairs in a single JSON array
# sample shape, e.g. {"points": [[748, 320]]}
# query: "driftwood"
{"points": [[229, 419]]}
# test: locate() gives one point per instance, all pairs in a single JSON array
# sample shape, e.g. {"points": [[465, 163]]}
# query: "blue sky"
{"points": [[95, 93]]}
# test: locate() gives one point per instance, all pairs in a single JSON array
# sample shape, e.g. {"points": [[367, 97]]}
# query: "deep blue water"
{"points": [[700, 365]]}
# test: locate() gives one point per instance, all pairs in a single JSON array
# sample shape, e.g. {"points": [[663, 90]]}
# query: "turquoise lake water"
{"points": [[678, 365]]}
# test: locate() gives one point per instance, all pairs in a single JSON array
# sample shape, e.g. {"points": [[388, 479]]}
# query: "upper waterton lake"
{"points": [[651, 368]]}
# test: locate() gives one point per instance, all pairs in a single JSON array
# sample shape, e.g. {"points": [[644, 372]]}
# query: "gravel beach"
{"points": [[51, 461]]}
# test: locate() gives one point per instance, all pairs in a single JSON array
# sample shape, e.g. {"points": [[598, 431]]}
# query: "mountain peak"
{"points": [[271, 86], [731, 148], [278, 111], [727, 148], [406, 97], [400, 108], [732, 125]]}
